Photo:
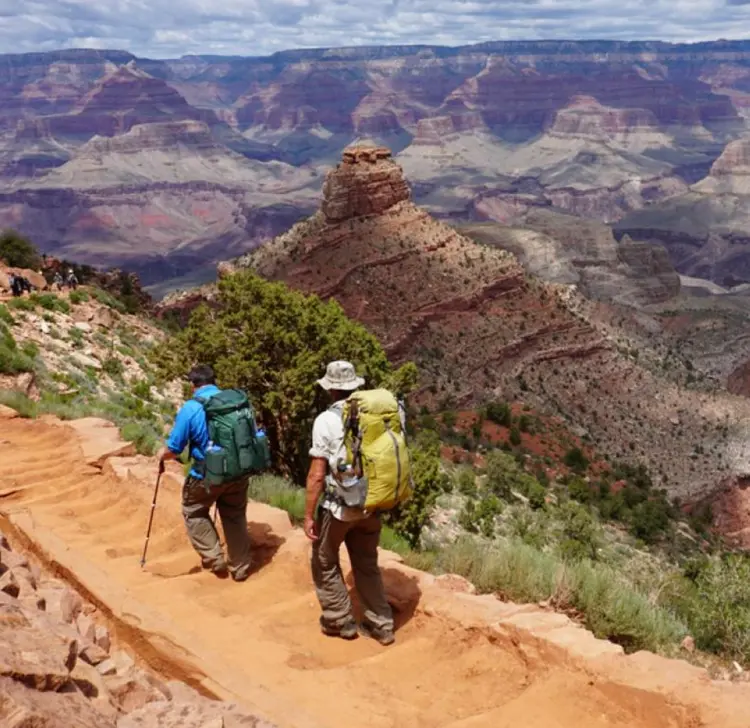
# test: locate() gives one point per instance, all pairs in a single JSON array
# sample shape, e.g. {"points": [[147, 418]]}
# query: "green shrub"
{"points": [[279, 493], [21, 304], [391, 541], [30, 349], [5, 316], [504, 475], [18, 401], [107, 299], [650, 520], [78, 297], [515, 437], [579, 490], [113, 366], [537, 495], [12, 361], [17, 251], [50, 302], [499, 413], [576, 460], [76, 336], [581, 533], [466, 481], [715, 602], [142, 435], [142, 389], [410, 518]]}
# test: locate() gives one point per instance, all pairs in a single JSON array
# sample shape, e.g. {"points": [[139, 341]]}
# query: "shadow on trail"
{"points": [[402, 591]]}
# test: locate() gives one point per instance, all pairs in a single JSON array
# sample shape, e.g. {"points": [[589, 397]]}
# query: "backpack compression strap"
{"points": [[352, 426]]}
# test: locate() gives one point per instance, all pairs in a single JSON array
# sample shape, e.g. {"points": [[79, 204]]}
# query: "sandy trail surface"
{"points": [[459, 660]]}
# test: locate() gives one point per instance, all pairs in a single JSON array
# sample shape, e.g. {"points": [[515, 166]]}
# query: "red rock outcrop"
{"points": [[366, 182]]}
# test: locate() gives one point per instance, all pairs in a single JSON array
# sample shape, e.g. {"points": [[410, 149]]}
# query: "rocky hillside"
{"points": [[61, 667], [479, 327], [168, 166]]}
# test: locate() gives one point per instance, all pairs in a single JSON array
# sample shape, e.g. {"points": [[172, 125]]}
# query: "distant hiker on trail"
{"points": [[360, 467], [58, 280], [225, 447], [71, 281]]}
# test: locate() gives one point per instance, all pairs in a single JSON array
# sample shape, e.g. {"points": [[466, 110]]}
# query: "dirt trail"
{"points": [[459, 660]]}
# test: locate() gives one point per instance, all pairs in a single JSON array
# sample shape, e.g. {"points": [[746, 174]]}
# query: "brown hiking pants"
{"points": [[231, 500], [361, 539]]}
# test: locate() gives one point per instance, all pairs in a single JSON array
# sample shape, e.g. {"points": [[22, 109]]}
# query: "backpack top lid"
{"points": [[373, 401], [224, 401]]}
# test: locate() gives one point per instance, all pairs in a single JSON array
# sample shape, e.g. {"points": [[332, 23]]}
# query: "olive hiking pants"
{"points": [[361, 539], [231, 500]]}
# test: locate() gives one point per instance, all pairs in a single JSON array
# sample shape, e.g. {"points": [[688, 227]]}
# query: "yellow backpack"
{"points": [[377, 449]]}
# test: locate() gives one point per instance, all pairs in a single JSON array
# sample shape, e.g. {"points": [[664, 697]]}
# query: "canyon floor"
{"points": [[70, 497]]}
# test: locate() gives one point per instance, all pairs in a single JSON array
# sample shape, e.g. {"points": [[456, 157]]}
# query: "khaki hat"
{"points": [[340, 375]]}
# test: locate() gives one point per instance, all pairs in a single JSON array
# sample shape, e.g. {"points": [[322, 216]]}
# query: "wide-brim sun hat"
{"points": [[341, 376]]}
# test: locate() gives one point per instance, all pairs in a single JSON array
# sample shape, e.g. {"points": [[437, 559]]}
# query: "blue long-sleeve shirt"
{"points": [[190, 428]]}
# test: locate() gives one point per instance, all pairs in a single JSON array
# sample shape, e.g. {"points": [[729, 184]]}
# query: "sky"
{"points": [[172, 28]]}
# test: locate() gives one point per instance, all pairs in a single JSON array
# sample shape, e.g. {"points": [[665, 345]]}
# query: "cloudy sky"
{"points": [[171, 28]]}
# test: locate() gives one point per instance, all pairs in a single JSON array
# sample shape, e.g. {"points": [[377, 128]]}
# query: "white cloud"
{"points": [[169, 28]]}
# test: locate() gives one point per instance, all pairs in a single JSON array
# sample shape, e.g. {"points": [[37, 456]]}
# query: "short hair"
{"points": [[201, 375]]}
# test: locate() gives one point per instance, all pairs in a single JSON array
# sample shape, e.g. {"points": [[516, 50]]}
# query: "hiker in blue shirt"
{"points": [[190, 430]]}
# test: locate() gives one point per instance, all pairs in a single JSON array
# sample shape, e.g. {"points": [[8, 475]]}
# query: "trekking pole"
{"points": [[151, 518]]}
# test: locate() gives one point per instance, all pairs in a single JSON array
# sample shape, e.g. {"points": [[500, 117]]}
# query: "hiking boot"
{"points": [[219, 568], [347, 631], [383, 635]]}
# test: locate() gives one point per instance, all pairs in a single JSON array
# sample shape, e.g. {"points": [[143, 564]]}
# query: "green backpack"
{"points": [[236, 446]]}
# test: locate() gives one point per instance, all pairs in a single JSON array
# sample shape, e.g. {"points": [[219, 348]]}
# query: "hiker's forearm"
{"points": [[315, 481]]}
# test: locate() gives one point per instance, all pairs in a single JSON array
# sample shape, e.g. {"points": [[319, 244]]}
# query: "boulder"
{"points": [[92, 654], [36, 658], [102, 638], [24, 708], [9, 584], [84, 361], [131, 692], [188, 709], [82, 326], [120, 663], [61, 603], [86, 628], [12, 559]]}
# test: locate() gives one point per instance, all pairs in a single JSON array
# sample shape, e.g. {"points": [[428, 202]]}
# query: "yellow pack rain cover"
{"points": [[385, 456]]}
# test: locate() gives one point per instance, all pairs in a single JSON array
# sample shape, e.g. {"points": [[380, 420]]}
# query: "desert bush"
{"points": [[499, 413], [576, 460], [107, 299], [21, 304], [12, 360], [279, 493], [78, 297], [504, 475], [113, 366], [18, 252], [714, 599], [50, 302], [466, 481], [142, 435], [6, 317]]}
